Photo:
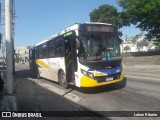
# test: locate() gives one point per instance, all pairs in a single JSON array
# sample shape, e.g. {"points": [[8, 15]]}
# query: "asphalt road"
{"points": [[141, 93]]}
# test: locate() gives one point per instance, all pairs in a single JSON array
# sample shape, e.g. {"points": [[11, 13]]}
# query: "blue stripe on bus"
{"points": [[109, 71]]}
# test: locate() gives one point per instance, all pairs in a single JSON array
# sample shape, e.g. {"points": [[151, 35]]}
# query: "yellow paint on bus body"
{"points": [[88, 82], [42, 64]]}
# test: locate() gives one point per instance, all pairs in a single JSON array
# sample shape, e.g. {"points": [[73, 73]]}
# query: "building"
{"points": [[137, 45], [131, 47], [22, 54]]}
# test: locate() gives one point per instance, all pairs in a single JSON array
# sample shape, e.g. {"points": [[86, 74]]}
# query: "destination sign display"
{"points": [[97, 28]]}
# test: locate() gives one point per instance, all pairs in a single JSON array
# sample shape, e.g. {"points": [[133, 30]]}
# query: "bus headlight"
{"points": [[118, 71], [88, 74], [84, 72]]}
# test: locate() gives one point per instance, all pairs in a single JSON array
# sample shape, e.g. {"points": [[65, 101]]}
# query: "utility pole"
{"points": [[9, 47], [3, 51], [12, 30], [9, 101], [0, 15]]}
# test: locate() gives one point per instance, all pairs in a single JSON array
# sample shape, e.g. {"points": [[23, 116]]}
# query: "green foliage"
{"points": [[143, 13], [126, 48], [16, 57], [156, 42], [106, 14], [142, 43], [136, 37]]}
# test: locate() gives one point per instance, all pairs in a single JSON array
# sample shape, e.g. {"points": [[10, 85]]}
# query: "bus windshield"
{"points": [[99, 47]]}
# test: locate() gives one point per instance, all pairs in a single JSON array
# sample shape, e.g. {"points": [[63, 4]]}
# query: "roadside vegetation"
{"points": [[144, 14]]}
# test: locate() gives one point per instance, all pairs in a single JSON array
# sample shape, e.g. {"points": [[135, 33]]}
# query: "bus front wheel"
{"points": [[62, 80]]}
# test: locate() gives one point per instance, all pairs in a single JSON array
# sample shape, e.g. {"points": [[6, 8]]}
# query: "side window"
{"points": [[59, 48], [30, 54], [51, 48], [40, 51], [43, 51], [36, 53]]}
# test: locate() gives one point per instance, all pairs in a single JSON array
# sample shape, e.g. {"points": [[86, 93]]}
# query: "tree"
{"points": [[157, 44], [136, 37], [144, 14], [126, 48], [106, 14], [142, 43]]}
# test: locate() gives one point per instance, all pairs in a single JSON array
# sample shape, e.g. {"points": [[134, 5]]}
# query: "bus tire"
{"points": [[122, 83], [62, 80]]}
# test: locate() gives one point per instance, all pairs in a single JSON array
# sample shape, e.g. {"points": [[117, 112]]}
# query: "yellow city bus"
{"points": [[84, 54]]}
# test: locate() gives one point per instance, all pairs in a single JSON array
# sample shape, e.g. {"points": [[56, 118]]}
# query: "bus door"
{"points": [[70, 55]]}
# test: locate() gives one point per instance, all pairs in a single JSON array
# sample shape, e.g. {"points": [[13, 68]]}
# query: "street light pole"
{"points": [[9, 47]]}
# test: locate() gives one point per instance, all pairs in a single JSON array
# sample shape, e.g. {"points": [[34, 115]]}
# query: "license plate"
{"points": [[109, 78]]}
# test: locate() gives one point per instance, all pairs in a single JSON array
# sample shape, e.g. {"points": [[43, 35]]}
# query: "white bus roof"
{"points": [[72, 27], [97, 23]]}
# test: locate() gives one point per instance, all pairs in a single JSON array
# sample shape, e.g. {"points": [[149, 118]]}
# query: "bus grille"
{"points": [[103, 78]]}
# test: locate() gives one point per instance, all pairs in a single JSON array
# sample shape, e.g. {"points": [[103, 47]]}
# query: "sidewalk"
{"points": [[34, 95]]}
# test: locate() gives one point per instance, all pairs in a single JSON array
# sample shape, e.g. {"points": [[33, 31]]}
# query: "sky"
{"points": [[39, 19]]}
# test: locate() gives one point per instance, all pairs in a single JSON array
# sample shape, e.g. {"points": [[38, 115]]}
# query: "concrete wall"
{"points": [[145, 58]]}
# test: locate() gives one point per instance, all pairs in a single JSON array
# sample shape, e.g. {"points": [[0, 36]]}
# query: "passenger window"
{"points": [[51, 49]]}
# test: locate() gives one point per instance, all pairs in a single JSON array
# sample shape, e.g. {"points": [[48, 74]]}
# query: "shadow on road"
{"points": [[33, 97], [100, 89], [91, 90]]}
